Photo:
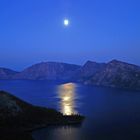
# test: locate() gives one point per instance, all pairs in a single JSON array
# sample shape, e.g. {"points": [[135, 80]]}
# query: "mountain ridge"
{"points": [[115, 73], [6, 73], [48, 71]]}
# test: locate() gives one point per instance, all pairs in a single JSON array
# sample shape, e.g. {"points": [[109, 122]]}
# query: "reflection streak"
{"points": [[67, 95]]}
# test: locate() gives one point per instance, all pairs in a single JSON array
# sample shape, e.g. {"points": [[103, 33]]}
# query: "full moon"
{"points": [[66, 22]]}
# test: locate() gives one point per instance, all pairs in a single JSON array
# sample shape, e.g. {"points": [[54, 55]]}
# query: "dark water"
{"points": [[111, 114]]}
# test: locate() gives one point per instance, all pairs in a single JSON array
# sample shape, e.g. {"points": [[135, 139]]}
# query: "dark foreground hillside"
{"points": [[18, 117], [10, 135]]}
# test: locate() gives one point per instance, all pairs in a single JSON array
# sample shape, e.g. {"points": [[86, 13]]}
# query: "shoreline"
{"points": [[26, 133]]}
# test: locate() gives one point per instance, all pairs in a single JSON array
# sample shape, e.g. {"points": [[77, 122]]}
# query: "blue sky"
{"points": [[32, 31]]}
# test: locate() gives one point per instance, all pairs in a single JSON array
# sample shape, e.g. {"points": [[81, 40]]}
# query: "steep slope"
{"points": [[17, 118], [48, 70], [88, 69], [117, 74], [15, 113], [6, 73]]}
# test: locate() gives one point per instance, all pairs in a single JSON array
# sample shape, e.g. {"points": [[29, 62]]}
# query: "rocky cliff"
{"points": [[87, 70], [117, 74]]}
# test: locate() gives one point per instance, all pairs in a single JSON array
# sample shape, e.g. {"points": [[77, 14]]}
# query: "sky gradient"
{"points": [[32, 31]]}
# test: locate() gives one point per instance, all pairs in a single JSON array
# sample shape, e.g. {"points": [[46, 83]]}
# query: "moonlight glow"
{"points": [[66, 22]]}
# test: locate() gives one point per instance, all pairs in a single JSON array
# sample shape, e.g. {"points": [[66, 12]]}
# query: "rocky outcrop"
{"points": [[117, 74]]}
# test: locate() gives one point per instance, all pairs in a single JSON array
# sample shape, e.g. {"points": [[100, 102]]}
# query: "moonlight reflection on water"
{"points": [[67, 96]]}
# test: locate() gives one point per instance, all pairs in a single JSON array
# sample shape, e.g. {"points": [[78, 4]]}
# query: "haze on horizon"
{"points": [[32, 31]]}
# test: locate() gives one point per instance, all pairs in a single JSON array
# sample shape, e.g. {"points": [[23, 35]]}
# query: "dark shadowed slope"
{"points": [[17, 117], [117, 74], [16, 113]]}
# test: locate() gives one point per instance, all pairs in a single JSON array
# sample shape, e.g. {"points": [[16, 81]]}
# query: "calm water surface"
{"points": [[111, 114]]}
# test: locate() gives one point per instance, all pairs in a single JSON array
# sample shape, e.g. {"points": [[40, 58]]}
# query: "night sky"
{"points": [[32, 31]]}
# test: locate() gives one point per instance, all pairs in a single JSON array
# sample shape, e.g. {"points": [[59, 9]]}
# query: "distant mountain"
{"points": [[117, 74], [48, 71], [88, 69], [112, 74], [7, 73]]}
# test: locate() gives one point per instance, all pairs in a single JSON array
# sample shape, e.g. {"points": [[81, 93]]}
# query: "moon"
{"points": [[66, 22]]}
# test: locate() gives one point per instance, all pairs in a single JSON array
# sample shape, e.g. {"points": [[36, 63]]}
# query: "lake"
{"points": [[111, 114]]}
